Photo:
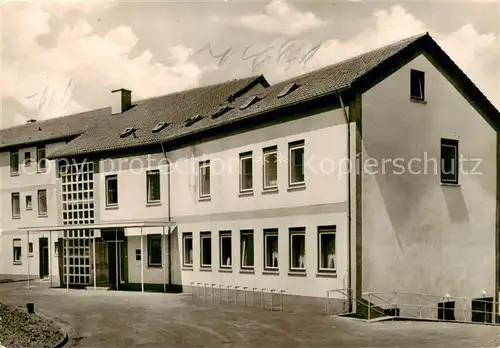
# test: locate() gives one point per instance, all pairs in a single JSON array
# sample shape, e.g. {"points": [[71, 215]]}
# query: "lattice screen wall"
{"points": [[77, 183]]}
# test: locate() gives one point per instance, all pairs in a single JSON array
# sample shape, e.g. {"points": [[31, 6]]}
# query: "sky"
{"points": [[63, 57]]}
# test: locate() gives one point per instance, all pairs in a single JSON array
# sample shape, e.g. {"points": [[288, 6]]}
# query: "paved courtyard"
{"points": [[129, 319]]}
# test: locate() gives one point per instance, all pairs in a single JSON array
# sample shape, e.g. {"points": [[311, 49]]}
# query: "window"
{"points": [[449, 161], [16, 205], [249, 102], [297, 249], [296, 160], [27, 159], [270, 167], [127, 131], [56, 248], [225, 249], [288, 88], [29, 203], [326, 241], [41, 159], [417, 82], [193, 120], [30, 248], [246, 172], [271, 249], [204, 179], [187, 245], [159, 127], [14, 163], [247, 250], [42, 202], [17, 251], [206, 249], [221, 111], [153, 182], [154, 250], [112, 190], [137, 254]]}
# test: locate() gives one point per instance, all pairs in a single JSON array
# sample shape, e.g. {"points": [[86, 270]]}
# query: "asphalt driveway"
{"points": [[129, 319]]}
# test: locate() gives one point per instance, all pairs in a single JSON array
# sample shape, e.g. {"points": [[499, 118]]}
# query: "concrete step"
{"points": [[98, 288]]}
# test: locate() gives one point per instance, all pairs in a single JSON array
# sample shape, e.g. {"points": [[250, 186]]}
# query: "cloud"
{"points": [[476, 54], [78, 71], [279, 17]]}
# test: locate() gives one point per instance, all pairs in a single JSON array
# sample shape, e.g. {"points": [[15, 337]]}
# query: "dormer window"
{"points": [[249, 102], [288, 88], [193, 120], [160, 126], [221, 111], [127, 132]]}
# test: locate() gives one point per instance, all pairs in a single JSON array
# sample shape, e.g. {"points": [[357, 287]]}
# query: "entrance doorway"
{"points": [[43, 252], [111, 256]]}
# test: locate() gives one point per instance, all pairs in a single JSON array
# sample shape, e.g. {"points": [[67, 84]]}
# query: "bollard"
{"points": [[328, 303], [262, 298], [198, 291], [213, 294], [221, 293], [192, 290], [205, 294], [30, 307], [281, 300], [245, 295], [253, 296], [228, 293]]}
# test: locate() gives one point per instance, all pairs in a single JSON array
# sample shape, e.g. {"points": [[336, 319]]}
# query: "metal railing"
{"points": [[346, 299], [216, 294], [433, 307]]}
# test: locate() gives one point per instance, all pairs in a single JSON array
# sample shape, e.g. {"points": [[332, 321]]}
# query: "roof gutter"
{"points": [[347, 88]]}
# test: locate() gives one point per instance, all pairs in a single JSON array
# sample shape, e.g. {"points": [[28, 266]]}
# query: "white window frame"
{"points": [[27, 159], [30, 205], [265, 153], [150, 174], [40, 159], [18, 214], [456, 167], [293, 146], [31, 249], [202, 165], [150, 239], [222, 236], [295, 232], [41, 213], [107, 179], [421, 88], [242, 234], [185, 237], [17, 243], [271, 233], [327, 230], [205, 235], [245, 157]]}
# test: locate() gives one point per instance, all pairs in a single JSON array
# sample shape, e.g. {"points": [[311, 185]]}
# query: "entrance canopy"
{"points": [[132, 226]]}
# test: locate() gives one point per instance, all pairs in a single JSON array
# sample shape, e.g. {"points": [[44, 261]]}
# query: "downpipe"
{"points": [[169, 216]]}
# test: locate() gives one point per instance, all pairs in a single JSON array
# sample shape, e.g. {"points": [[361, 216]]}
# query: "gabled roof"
{"points": [[147, 111], [355, 74]]}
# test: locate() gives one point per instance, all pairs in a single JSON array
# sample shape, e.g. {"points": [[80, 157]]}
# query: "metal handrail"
{"points": [[348, 295]]}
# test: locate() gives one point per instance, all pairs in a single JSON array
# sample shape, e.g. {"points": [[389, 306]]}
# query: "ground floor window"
{"points": [[271, 249], [225, 249], [327, 254], [297, 249], [154, 250], [206, 249], [247, 249], [187, 244], [17, 250], [30, 248]]}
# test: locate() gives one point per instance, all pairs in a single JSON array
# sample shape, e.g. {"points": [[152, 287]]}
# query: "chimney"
{"points": [[31, 121], [121, 100]]}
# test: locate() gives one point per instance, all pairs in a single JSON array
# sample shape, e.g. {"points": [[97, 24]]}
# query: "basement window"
{"points": [[159, 127], [127, 132], [288, 88], [249, 102], [193, 120], [221, 111]]}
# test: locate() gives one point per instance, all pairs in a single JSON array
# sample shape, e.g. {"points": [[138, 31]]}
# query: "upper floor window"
{"points": [[204, 179], [246, 168], [417, 85], [42, 202], [154, 250], [27, 159], [41, 159], [153, 183], [449, 161], [270, 167], [14, 163], [296, 163], [111, 190], [29, 203], [16, 205]]}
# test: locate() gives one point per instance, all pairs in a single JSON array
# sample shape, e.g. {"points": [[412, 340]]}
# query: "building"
{"points": [[245, 184]]}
